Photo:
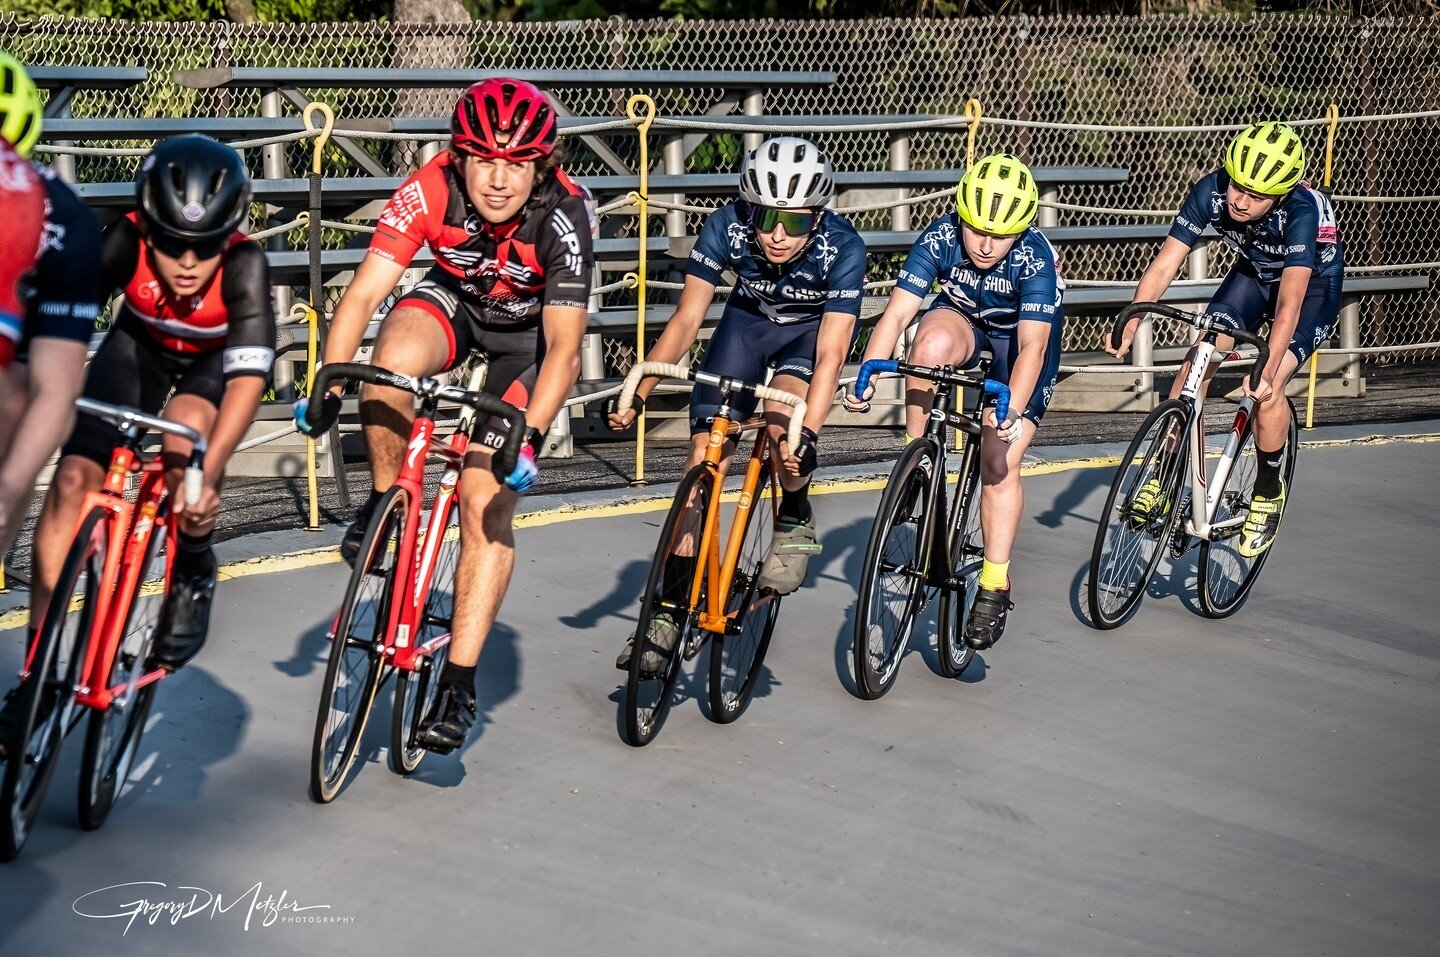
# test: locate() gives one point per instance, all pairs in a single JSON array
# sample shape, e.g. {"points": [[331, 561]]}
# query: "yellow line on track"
{"points": [[330, 555]]}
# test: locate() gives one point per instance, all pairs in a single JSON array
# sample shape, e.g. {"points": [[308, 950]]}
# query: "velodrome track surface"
{"points": [[1264, 785]]}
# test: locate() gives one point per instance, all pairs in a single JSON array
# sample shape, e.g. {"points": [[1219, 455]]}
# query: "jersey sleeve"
{"points": [[922, 264], [1198, 211], [845, 281], [69, 282], [1038, 284], [245, 289], [405, 223], [711, 253], [567, 253], [1302, 233]]}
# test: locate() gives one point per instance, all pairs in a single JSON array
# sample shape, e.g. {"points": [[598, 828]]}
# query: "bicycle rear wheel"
{"points": [[893, 576], [648, 696], [1129, 541], [112, 736], [47, 696], [1225, 577], [736, 657], [416, 691], [967, 552], [353, 674]]}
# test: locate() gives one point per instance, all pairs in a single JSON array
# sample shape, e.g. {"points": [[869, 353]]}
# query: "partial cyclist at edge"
{"points": [[799, 271], [1000, 290], [512, 236], [45, 339], [194, 336], [1289, 271]]}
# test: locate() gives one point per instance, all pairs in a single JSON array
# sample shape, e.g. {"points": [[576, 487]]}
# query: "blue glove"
{"points": [[526, 471], [322, 419]]}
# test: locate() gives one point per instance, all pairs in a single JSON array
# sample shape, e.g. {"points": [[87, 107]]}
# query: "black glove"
{"points": [[806, 451], [315, 419]]}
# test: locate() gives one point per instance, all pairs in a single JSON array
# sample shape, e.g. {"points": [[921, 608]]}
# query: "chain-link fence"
{"points": [[1140, 73]]}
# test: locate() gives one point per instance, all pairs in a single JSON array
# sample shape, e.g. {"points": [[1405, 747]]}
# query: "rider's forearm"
{"points": [[1288, 300], [820, 397], [348, 326], [45, 423], [1161, 271], [675, 341], [1025, 374], [558, 372], [898, 314], [237, 410]]}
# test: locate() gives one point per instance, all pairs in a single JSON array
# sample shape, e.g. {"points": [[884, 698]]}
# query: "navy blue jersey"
{"points": [[1026, 284], [64, 290], [826, 277], [1298, 231]]}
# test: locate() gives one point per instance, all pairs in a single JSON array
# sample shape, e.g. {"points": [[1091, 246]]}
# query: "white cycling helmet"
{"points": [[787, 172]]}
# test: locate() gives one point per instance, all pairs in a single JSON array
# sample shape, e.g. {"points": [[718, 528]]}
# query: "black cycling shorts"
{"points": [[514, 353], [742, 347], [1249, 303], [131, 368]]}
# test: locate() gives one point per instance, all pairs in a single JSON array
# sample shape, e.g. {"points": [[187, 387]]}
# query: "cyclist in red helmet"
{"points": [[512, 238]]}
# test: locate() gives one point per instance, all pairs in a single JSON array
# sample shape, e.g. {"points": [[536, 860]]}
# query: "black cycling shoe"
{"points": [[355, 534], [449, 721], [184, 620], [987, 617]]}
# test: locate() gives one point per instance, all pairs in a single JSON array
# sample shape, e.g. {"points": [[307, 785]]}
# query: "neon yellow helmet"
{"points": [[998, 195], [1266, 158], [20, 109]]}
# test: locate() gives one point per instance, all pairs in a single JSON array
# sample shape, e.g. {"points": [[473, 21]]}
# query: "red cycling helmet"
{"points": [[504, 119]]}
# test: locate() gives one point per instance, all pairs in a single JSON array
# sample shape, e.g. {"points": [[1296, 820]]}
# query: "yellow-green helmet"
{"points": [[1266, 158], [20, 110], [998, 195]]}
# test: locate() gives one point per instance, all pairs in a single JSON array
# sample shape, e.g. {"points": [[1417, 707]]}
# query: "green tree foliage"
{"points": [[171, 10]]}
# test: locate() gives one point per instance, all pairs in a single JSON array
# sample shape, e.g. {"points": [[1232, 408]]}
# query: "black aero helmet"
{"points": [[193, 188]]}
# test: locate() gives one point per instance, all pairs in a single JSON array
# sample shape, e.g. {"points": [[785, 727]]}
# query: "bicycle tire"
{"points": [[967, 551], [1117, 586], [910, 477], [31, 762], [112, 735], [355, 659], [648, 698], [416, 691], [1218, 559], [738, 656]]}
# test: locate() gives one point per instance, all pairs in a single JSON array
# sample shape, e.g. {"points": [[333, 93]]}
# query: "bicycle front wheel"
{"points": [[967, 552], [1225, 577], [353, 674], [738, 656], [112, 737], [649, 691], [48, 694], [893, 575], [1140, 515], [416, 691]]}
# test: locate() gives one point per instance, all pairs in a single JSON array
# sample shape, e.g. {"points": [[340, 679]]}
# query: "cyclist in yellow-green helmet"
{"points": [[999, 290], [1289, 272]]}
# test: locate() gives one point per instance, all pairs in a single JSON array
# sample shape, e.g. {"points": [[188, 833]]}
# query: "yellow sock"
{"points": [[994, 575], [908, 439]]}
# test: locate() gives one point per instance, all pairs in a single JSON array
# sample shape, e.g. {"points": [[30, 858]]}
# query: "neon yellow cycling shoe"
{"points": [[1150, 502], [1262, 524]]}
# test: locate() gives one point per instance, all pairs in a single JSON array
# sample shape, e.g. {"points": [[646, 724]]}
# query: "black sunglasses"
{"points": [[796, 222], [175, 247]]}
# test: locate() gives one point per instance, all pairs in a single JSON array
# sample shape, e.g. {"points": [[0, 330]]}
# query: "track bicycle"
{"points": [[917, 550], [1152, 509], [91, 654], [396, 616], [707, 590]]}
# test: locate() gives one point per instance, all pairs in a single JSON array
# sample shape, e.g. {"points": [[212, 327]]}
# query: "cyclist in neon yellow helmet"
{"points": [[1289, 272], [20, 109], [1000, 290]]}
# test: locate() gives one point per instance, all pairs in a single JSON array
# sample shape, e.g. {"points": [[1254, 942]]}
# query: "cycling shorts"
{"points": [[131, 368], [743, 346], [1249, 303], [1004, 349], [514, 354]]}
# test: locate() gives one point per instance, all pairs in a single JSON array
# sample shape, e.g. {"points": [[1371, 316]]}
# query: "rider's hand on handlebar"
{"points": [[620, 421], [1009, 430], [802, 460], [1126, 338], [198, 515], [1261, 393], [325, 418], [858, 403], [525, 473]]}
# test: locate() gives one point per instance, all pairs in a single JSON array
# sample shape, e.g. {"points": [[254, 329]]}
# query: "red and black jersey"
{"points": [[232, 311], [24, 202], [509, 272]]}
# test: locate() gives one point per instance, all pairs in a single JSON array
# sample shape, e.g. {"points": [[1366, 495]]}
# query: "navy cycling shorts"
{"points": [[1004, 349], [743, 347], [1249, 303]]}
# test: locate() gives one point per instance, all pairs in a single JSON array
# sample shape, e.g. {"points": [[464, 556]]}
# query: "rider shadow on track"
{"points": [[622, 603], [312, 649], [1083, 484]]}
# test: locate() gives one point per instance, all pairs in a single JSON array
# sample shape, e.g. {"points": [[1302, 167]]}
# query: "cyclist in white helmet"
{"points": [[798, 273]]}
